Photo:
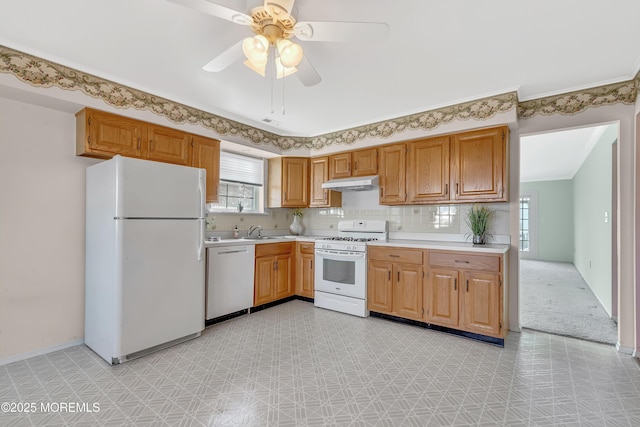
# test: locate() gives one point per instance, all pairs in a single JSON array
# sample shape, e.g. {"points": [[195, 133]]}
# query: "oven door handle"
{"points": [[340, 257]]}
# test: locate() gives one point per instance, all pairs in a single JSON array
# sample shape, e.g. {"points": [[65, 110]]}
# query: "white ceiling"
{"points": [[558, 155], [438, 54]]}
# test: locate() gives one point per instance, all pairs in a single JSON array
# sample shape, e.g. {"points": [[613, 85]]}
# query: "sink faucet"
{"points": [[252, 229]]}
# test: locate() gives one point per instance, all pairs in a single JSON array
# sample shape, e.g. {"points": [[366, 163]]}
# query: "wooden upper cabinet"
{"points": [[354, 163], [295, 182], [365, 162], [206, 155], [104, 135], [428, 170], [340, 166], [288, 182], [168, 145], [393, 174], [479, 165], [320, 197]]}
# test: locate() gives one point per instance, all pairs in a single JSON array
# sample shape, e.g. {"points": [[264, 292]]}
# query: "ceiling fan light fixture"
{"points": [[282, 71], [290, 53], [256, 49], [259, 68]]}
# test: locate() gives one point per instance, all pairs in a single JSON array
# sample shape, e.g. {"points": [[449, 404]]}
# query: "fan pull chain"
{"points": [[283, 110], [274, 76]]}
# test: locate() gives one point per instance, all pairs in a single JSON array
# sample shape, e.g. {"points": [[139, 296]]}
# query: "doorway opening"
{"points": [[565, 251]]}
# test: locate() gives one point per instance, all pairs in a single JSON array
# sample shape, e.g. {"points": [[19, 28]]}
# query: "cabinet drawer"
{"points": [[306, 247], [403, 255], [464, 261], [269, 249]]}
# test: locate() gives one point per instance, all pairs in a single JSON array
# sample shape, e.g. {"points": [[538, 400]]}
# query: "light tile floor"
{"points": [[296, 365]]}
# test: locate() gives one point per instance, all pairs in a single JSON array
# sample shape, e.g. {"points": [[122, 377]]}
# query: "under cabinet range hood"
{"points": [[356, 183]]}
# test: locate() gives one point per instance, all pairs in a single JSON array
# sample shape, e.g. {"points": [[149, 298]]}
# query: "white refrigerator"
{"points": [[145, 263]]}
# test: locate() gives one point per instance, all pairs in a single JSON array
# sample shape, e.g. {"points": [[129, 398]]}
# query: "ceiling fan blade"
{"points": [[225, 59], [367, 32], [307, 74], [216, 10]]}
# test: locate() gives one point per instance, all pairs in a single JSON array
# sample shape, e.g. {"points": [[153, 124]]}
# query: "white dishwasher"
{"points": [[229, 280]]}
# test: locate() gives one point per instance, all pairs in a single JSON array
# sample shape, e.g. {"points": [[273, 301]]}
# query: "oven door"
{"points": [[341, 272]]}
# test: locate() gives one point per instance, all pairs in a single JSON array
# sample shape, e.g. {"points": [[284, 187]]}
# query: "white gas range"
{"points": [[341, 266]]}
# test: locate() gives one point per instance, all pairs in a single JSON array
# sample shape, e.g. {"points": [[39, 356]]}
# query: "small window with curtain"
{"points": [[241, 184]]}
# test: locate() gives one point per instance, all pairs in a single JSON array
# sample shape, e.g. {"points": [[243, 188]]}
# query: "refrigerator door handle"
{"points": [[201, 240], [201, 184]]}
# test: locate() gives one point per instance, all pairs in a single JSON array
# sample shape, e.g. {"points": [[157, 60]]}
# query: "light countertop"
{"points": [[419, 244], [447, 246]]}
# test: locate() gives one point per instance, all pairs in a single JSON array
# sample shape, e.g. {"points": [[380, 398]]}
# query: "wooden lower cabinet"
{"points": [[441, 297], [395, 282], [273, 272], [304, 269], [469, 297], [481, 304]]}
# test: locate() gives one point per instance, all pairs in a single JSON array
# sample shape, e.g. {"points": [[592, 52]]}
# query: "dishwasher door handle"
{"points": [[233, 252]]}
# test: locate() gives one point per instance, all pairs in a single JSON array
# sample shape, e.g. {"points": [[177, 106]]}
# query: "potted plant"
{"points": [[478, 219], [296, 226]]}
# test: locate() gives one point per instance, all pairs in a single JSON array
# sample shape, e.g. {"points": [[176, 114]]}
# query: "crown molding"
{"points": [[39, 72]]}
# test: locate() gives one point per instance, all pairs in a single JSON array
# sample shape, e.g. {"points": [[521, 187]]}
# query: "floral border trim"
{"points": [[481, 109], [575, 102], [42, 73]]}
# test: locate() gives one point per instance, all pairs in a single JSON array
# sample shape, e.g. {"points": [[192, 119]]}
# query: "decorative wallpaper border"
{"points": [[575, 102], [481, 109], [42, 73]]}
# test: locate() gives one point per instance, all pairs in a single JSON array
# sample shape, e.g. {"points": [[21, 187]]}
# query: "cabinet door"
{"points": [[428, 170], [263, 286], [304, 282], [481, 303], [283, 279], [206, 155], [168, 145], [441, 297], [479, 165], [407, 297], [380, 287], [365, 162], [392, 174], [320, 197], [109, 134], [295, 182], [340, 165]]}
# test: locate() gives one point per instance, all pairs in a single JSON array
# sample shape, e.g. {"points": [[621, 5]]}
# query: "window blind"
{"points": [[241, 169]]}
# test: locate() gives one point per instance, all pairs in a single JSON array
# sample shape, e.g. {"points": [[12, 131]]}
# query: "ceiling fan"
{"points": [[274, 26]]}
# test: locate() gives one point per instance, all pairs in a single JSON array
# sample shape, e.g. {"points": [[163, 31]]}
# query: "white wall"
{"points": [[592, 230], [41, 230]]}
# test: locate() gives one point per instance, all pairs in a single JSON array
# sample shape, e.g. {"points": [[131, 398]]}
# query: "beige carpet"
{"points": [[555, 299]]}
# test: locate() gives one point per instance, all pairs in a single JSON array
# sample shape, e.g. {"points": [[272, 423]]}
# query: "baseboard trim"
{"points": [[624, 350], [478, 337], [40, 352]]}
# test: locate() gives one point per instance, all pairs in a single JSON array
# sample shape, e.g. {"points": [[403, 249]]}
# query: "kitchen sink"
{"points": [[261, 238]]}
